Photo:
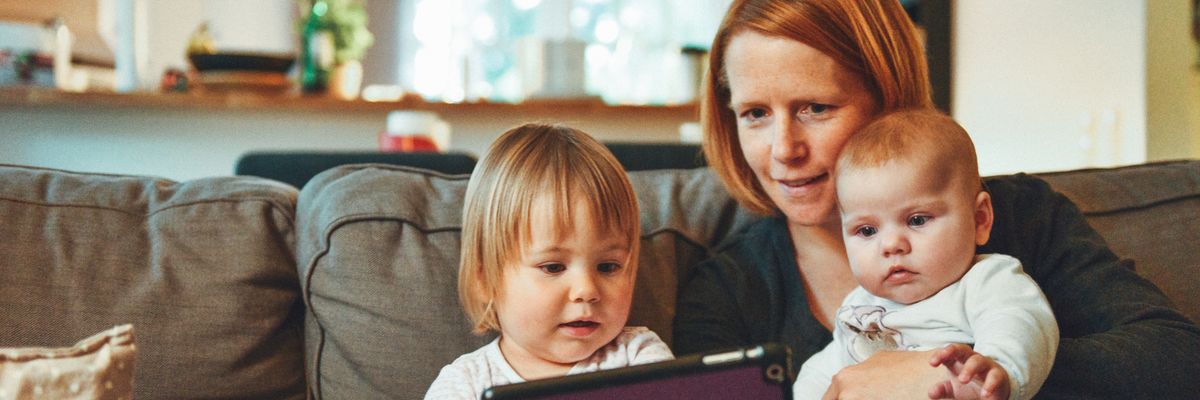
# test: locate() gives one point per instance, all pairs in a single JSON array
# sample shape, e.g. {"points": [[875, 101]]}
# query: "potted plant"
{"points": [[338, 27]]}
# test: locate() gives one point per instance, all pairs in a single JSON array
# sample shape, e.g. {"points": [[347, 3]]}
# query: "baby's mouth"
{"points": [[898, 274]]}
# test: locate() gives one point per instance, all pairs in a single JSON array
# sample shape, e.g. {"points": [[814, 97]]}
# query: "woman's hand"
{"points": [[977, 375], [888, 375]]}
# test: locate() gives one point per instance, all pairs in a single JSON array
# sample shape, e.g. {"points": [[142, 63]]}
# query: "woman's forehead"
{"points": [[757, 64]]}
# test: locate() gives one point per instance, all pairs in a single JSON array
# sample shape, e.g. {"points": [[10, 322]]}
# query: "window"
{"points": [[622, 51]]}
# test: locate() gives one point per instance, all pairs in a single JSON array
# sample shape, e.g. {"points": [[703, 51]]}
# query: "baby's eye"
{"points": [[918, 220], [608, 268], [553, 268], [866, 231]]}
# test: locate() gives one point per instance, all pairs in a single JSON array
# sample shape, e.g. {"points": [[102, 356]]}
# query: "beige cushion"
{"points": [[204, 269], [98, 367], [378, 255]]}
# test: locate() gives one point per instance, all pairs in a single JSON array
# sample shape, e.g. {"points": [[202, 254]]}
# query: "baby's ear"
{"points": [[983, 218]]}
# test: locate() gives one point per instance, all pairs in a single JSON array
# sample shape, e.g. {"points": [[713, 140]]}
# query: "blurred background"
{"points": [[183, 88]]}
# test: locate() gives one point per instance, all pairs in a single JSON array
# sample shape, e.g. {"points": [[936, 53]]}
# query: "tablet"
{"points": [[756, 372]]}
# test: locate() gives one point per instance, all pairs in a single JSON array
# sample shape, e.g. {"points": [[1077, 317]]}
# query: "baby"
{"points": [[549, 257], [913, 211]]}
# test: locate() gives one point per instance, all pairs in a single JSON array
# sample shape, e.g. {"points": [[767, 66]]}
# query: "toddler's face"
{"points": [[568, 295], [907, 234]]}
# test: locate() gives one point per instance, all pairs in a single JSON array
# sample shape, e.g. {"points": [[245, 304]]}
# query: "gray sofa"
{"points": [[241, 287]]}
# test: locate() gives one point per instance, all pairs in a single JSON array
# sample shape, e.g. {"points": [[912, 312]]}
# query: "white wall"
{"points": [[1049, 85]]}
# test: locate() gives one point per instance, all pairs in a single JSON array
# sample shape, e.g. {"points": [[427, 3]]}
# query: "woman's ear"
{"points": [[983, 218]]}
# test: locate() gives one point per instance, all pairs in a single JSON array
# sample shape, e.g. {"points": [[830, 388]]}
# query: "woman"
{"points": [[788, 83]]}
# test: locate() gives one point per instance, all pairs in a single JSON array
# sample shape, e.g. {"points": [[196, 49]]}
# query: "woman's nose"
{"points": [[584, 290], [787, 141]]}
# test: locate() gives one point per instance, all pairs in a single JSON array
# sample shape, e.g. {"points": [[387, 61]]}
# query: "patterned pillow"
{"points": [[99, 367]]}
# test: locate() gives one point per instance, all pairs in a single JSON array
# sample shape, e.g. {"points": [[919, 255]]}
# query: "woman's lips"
{"points": [[579, 328], [800, 186]]}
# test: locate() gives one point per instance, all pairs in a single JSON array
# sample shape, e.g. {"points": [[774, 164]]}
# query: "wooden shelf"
{"points": [[250, 101]]}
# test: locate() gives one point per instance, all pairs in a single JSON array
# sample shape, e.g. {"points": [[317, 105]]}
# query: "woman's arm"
{"points": [[707, 313], [888, 375], [1121, 337]]}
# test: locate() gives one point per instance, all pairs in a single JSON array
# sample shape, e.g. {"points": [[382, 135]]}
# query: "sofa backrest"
{"points": [[204, 270], [378, 255], [1149, 213]]}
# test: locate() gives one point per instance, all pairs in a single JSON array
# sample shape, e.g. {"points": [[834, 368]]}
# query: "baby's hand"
{"points": [[976, 375]]}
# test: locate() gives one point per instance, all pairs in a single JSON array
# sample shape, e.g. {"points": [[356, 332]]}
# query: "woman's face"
{"points": [[795, 108]]}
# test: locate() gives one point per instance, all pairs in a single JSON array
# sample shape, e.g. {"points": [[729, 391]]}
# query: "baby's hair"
{"points": [[924, 135], [527, 164]]}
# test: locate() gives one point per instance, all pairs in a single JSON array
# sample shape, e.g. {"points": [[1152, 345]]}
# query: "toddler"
{"points": [[913, 211], [549, 257]]}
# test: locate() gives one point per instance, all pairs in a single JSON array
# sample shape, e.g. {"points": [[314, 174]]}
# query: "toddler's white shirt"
{"points": [[468, 376]]}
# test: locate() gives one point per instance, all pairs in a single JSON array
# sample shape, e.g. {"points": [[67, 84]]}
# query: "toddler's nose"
{"points": [[583, 290]]}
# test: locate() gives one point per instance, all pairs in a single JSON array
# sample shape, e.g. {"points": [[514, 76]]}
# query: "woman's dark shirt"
{"points": [[1121, 336]]}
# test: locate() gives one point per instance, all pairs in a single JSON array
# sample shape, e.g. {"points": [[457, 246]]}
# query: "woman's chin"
{"points": [[811, 215]]}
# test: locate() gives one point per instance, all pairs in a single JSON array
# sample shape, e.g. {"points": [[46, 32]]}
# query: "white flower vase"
{"points": [[346, 80]]}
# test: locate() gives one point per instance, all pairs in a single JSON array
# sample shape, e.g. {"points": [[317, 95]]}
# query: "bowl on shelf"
{"points": [[242, 72], [261, 62]]}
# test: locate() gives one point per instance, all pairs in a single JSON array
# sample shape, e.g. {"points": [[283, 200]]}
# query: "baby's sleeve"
{"points": [[817, 373], [1012, 322]]}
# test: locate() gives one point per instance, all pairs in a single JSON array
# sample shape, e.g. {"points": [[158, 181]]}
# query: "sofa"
{"points": [[242, 287]]}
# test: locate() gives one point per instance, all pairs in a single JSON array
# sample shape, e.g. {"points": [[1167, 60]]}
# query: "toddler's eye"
{"points": [[918, 220], [866, 231], [608, 268], [553, 268]]}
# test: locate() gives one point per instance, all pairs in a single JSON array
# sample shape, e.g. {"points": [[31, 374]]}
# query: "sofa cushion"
{"points": [[378, 255], [1148, 213], [204, 270]]}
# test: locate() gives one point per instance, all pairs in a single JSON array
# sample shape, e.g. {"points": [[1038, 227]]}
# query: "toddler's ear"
{"points": [[983, 218]]}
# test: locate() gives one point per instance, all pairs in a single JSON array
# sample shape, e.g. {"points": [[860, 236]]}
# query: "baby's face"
{"points": [[908, 232], [568, 295]]}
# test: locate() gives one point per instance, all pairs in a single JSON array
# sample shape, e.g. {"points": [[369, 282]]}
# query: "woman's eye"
{"points": [[754, 114], [866, 231], [815, 111], [608, 268], [553, 268], [918, 220]]}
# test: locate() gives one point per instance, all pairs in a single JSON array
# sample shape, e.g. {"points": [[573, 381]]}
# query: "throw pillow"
{"points": [[99, 367]]}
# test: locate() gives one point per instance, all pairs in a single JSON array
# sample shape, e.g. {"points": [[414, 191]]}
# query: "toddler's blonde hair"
{"points": [[526, 164]]}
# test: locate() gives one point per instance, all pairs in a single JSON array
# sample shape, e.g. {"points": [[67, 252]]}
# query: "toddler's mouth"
{"points": [[581, 324], [579, 328]]}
